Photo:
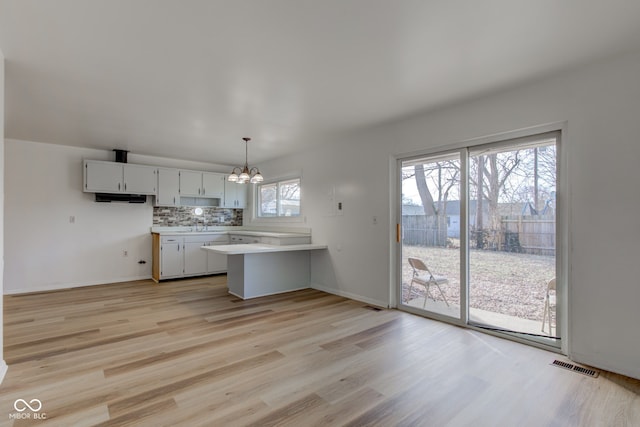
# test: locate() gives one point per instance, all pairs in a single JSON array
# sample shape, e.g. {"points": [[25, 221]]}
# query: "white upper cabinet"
{"points": [[235, 195], [103, 177], [112, 177], [201, 184], [168, 187], [190, 183], [213, 185], [167, 184], [140, 179]]}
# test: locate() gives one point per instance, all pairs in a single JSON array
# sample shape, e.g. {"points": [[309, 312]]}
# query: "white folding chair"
{"points": [[549, 300], [422, 276]]}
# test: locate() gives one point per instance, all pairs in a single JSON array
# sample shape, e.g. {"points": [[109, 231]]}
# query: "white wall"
{"points": [[600, 104], [45, 250], [3, 365]]}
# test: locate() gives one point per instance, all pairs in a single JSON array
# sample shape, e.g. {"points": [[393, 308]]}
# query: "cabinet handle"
{"points": [[125, 186], [118, 186], [198, 191], [204, 191], [178, 247], [174, 200]]}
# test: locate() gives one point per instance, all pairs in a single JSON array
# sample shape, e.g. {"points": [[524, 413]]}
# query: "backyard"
{"points": [[513, 284]]}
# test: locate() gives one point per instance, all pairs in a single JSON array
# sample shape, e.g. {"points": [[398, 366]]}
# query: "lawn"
{"points": [[508, 283]]}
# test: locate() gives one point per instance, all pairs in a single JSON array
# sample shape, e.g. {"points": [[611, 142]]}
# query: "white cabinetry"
{"points": [[235, 195], [213, 185], [201, 184], [195, 259], [216, 263], [171, 257], [139, 179], [182, 256], [190, 183], [112, 177], [236, 239], [168, 187], [103, 177]]}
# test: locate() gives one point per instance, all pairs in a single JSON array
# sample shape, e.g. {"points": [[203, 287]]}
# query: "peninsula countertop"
{"points": [[257, 248]]}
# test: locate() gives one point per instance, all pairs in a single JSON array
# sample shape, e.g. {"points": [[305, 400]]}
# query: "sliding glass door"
{"points": [[482, 221], [430, 211], [512, 236]]}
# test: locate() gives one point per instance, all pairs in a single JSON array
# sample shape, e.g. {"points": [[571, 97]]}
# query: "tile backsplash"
{"points": [[175, 216]]}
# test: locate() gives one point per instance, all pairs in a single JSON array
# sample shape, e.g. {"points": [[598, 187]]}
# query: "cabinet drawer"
{"points": [[171, 239], [238, 239]]}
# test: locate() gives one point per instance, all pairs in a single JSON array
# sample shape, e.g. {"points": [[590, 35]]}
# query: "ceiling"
{"points": [[188, 79]]}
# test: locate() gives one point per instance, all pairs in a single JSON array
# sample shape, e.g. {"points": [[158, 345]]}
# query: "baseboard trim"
{"points": [[604, 365], [349, 295], [74, 285], [3, 370]]}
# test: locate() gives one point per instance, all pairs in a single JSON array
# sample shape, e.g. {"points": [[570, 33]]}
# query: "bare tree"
{"points": [[492, 171], [436, 178]]}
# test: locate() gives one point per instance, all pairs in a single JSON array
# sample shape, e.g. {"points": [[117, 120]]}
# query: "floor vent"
{"points": [[579, 369], [373, 308]]}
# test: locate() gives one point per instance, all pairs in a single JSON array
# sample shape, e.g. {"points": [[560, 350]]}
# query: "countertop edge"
{"points": [[254, 248]]}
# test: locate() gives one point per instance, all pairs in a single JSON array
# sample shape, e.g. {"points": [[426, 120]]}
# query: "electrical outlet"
{"points": [[125, 253], [375, 220], [72, 219]]}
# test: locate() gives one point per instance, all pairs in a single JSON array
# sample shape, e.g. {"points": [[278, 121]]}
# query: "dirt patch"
{"points": [[501, 282]]}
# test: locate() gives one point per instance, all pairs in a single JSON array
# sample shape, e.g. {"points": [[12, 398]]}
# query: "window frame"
{"points": [[563, 227], [278, 217]]}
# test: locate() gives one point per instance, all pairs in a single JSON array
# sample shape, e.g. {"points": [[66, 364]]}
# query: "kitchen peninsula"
{"points": [[257, 262], [257, 269]]}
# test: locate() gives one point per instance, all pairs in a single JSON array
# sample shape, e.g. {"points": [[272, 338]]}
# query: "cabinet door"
{"points": [[190, 183], [168, 186], [241, 195], [216, 263], [172, 260], [229, 194], [103, 177], [235, 195], [195, 258], [213, 185], [139, 179]]}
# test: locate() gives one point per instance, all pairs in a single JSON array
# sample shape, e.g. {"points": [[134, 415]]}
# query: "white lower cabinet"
{"points": [[182, 256], [217, 263], [171, 258], [195, 259]]}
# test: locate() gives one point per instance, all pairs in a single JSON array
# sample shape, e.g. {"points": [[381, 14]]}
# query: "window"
{"points": [[279, 199]]}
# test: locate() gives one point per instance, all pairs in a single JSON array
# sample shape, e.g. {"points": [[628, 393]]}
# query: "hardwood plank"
{"points": [[187, 353]]}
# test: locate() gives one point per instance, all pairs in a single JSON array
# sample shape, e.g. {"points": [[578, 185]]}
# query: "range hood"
{"points": [[117, 197]]}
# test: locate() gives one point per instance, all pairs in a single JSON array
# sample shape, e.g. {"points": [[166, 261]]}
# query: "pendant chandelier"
{"points": [[246, 175]]}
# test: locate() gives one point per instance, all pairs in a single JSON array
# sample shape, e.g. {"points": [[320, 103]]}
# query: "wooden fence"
{"points": [[530, 234], [422, 230]]}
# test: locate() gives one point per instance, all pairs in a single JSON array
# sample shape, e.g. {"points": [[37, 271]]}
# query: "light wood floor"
{"points": [[186, 353]]}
